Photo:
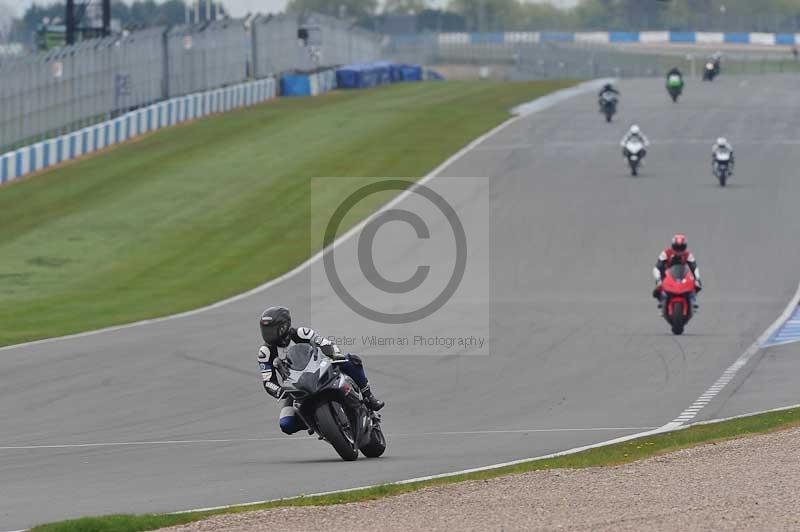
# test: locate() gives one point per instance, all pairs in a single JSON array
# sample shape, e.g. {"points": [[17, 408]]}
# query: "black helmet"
{"points": [[608, 87], [275, 324]]}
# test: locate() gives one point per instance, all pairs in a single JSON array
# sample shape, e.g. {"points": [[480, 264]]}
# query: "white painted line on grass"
{"points": [[729, 374], [521, 111]]}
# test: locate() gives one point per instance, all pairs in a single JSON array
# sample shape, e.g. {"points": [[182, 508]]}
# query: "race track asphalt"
{"points": [[172, 416]]}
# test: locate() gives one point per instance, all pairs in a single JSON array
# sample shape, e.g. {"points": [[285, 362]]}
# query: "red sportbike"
{"points": [[678, 286]]}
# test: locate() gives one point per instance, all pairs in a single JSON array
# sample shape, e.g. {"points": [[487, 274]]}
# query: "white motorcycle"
{"points": [[722, 165], [634, 152]]}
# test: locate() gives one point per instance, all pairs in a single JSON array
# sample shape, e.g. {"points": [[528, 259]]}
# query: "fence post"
{"points": [[165, 62], [254, 45]]}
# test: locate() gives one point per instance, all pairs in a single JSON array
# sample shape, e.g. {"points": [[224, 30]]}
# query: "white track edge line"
{"points": [[740, 416], [46, 446], [520, 111], [445, 475], [730, 373], [669, 427]]}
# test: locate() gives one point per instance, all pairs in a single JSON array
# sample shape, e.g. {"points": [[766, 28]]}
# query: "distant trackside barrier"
{"points": [[602, 37], [308, 84], [41, 155], [378, 73]]}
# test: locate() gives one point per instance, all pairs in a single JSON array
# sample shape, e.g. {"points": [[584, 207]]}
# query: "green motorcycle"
{"points": [[674, 86]]}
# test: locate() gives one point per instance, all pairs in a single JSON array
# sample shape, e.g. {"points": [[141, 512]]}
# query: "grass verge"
{"points": [[194, 214], [604, 456]]}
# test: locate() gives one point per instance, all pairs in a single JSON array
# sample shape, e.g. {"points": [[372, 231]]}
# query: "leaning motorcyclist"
{"points": [[635, 132], [608, 88], [677, 251], [278, 334], [722, 144]]}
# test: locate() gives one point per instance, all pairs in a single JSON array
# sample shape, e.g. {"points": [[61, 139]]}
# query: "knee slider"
{"points": [[290, 424]]}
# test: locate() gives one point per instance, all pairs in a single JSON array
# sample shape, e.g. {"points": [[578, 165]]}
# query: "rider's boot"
{"points": [[658, 297], [370, 400]]}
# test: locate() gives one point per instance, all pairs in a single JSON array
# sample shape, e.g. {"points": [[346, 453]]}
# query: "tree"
{"points": [[6, 23], [336, 8], [487, 15], [405, 7]]}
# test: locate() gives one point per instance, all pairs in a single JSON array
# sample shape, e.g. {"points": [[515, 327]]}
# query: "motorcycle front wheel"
{"points": [[376, 445], [335, 427], [677, 319]]}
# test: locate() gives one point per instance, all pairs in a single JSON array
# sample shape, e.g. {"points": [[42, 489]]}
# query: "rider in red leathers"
{"points": [[680, 251]]}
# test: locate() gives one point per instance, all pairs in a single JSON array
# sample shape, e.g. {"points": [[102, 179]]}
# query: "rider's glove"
{"points": [[657, 292], [273, 389], [698, 285]]}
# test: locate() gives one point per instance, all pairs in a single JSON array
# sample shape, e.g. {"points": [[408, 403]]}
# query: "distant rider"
{"points": [[608, 88], [674, 71], [278, 334], [678, 250], [721, 145], [635, 132]]}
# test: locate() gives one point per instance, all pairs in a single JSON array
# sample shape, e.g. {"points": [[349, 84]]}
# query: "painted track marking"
{"points": [[289, 440], [787, 333], [730, 373]]}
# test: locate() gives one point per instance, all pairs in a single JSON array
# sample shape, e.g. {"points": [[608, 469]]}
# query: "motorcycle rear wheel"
{"points": [[332, 429]]}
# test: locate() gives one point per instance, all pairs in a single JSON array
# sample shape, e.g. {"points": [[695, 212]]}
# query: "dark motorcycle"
{"points": [[722, 166], [330, 403], [709, 72], [608, 105]]}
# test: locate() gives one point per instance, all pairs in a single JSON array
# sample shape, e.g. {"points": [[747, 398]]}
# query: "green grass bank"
{"points": [[193, 214]]}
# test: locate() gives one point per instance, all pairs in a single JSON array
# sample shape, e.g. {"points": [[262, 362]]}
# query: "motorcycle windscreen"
{"points": [[298, 356], [679, 272], [634, 147], [305, 363]]}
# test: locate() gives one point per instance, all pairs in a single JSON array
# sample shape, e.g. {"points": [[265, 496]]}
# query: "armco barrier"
{"points": [[379, 73], [308, 84], [41, 155]]}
